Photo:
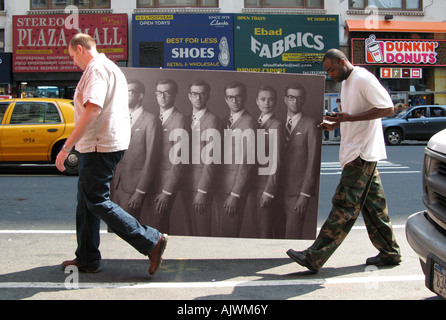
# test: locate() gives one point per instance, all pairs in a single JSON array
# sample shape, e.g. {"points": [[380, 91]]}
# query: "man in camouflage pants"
{"points": [[360, 189]]}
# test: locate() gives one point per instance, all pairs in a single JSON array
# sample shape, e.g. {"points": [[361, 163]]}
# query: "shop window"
{"points": [[309, 4], [176, 3], [2, 5], [62, 4], [35, 113], [387, 4]]}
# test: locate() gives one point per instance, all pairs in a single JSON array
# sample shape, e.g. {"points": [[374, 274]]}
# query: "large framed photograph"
{"points": [[223, 153]]}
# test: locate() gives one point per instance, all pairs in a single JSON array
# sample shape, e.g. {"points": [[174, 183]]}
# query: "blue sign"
{"points": [[183, 41]]}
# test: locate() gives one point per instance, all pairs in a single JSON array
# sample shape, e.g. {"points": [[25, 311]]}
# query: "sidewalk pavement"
{"points": [[197, 268]]}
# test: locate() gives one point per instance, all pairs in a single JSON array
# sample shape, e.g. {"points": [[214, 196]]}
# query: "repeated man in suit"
{"points": [[236, 173], [300, 164], [135, 173], [197, 188], [169, 169], [266, 186]]}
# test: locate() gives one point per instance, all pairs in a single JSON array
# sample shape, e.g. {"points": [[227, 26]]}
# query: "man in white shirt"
{"points": [[364, 103], [101, 134]]}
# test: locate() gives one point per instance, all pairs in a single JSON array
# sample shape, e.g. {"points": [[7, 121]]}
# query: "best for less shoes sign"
{"points": [[183, 41]]}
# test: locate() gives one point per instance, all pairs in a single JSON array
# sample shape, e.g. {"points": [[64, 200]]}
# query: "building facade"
{"points": [[402, 42]]}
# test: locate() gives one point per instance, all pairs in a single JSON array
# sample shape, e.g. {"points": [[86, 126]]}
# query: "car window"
{"points": [[34, 113], [3, 107], [51, 114], [437, 112], [417, 113]]}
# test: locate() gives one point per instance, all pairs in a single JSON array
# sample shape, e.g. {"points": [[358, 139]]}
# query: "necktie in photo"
{"points": [[260, 121], [161, 117], [288, 129], [230, 122], [194, 121]]}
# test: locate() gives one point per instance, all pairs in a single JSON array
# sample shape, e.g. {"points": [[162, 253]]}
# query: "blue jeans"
{"points": [[94, 204]]}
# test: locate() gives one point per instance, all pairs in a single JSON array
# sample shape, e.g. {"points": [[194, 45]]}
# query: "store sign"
{"points": [[398, 52], [183, 41], [401, 52], [40, 42], [401, 73], [284, 43]]}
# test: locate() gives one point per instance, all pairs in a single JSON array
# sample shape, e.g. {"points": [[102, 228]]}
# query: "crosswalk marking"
{"points": [[214, 284], [384, 167]]}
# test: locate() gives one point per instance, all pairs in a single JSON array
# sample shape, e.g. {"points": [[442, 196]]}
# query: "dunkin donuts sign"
{"points": [[401, 51]]}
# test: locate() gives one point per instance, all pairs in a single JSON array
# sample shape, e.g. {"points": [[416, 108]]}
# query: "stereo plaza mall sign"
{"points": [[284, 43], [40, 42]]}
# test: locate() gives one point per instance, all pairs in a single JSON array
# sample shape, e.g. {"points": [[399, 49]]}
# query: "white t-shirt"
{"points": [[361, 92], [103, 84]]}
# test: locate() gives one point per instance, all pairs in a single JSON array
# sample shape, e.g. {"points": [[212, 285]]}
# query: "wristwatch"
{"points": [[64, 148]]}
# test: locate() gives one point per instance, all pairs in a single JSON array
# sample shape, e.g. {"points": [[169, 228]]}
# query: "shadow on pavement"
{"points": [[249, 278]]}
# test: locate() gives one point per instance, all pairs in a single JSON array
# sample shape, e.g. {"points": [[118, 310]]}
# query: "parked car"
{"points": [[418, 123], [426, 230], [33, 130]]}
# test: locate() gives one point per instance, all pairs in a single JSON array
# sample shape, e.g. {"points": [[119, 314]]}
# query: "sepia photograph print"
{"points": [[223, 153]]}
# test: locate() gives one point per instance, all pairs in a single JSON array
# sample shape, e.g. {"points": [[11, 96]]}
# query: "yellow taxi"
{"points": [[33, 130]]}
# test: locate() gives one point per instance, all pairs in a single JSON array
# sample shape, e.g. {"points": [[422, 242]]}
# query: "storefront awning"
{"points": [[397, 26]]}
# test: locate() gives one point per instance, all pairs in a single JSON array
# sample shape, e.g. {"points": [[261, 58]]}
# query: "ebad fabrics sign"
{"points": [[183, 41], [284, 43]]}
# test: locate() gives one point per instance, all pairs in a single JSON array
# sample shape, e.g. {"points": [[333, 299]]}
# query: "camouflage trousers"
{"points": [[359, 190]]}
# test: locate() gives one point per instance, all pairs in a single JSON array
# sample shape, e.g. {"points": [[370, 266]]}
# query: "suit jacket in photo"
{"points": [[270, 183], [199, 175], [169, 174], [234, 177], [138, 167], [300, 166]]}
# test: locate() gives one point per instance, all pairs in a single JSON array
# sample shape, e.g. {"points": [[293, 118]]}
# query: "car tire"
{"points": [[393, 137]]}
